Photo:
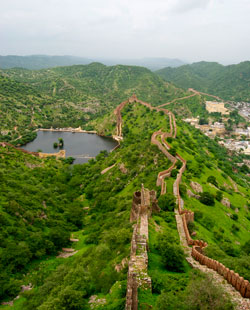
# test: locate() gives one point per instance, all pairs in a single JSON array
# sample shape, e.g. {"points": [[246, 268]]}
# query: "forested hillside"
{"points": [[94, 207], [229, 82], [71, 96]]}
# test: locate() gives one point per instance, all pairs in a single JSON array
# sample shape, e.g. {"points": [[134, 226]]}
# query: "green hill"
{"points": [[71, 96], [229, 82], [35, 62]]}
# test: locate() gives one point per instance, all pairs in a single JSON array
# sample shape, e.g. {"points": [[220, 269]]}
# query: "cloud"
{"points": [[188, 29], [182, 6]]}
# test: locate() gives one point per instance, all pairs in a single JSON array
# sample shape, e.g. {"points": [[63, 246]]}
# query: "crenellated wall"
{"points": [[139, 213], [238, 282]]}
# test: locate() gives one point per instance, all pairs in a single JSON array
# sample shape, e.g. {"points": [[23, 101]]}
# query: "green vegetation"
{"points": [[228, 82], [71, 96], [44, 202]]}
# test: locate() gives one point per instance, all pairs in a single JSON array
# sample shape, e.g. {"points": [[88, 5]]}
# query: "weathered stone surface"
{"points": [[191, 194], [226, 202], [196, 187]]}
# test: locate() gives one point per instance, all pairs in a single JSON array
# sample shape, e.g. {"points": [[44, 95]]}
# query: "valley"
{"points": [[193, 190]]}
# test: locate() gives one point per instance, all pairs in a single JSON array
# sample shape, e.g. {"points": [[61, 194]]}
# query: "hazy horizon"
{"points": [[191, 31]]}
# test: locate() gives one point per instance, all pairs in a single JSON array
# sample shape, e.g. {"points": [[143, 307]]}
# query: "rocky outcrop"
{"points": [[191, 194], [196, 187], [226, 202]]}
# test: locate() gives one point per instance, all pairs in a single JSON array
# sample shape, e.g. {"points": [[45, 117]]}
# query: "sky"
{"points": [[191, 30]]}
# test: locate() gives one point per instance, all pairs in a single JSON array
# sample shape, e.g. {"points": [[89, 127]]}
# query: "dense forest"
{"points": [[229, 82]]}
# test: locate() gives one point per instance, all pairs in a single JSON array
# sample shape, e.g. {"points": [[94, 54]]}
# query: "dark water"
{"points": [[78, 145]]}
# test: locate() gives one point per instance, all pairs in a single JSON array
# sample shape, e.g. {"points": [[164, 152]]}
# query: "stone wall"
{"points": [[238, 282], [144, 202], [137, 278]]}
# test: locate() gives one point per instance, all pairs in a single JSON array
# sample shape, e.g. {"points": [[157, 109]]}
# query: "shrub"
{"points": [[201, 293], [235, 228], [234, 217], [198, 215], [219, 195], [174, 173], [246, 247], [172, 254], [191, 227], [207, 199], [167, 202], [211, 179]]}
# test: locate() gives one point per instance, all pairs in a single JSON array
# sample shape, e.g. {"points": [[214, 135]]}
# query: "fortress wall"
{"points": [[241, 285], [238, 282], [143, 203]]}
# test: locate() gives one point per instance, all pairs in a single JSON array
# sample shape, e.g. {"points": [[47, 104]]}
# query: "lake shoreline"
{"points": [[78, 143], [68, 129]]}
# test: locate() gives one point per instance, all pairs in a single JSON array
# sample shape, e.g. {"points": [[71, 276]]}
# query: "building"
{"points": [[213, 106]]}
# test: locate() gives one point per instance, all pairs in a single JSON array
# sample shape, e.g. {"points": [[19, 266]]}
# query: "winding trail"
{"points": [[236, 286], [195, 93]]}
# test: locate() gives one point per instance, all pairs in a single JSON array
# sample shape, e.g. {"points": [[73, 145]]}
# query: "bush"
{"points": [[234, 217], [246, 247], [172, 253], [167, 202], [219, 196], [201, 293], [174, 173], [211, 179], [207, 199]]}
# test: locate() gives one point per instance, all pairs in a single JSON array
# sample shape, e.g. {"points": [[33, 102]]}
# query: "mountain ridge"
{"points": [[230, 82]]}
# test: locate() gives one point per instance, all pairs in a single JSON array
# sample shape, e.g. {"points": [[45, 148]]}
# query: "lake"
{"points": [[78, 145]]}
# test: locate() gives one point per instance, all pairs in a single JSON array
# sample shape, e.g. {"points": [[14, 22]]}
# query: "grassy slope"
{"points": [[105, 238]]}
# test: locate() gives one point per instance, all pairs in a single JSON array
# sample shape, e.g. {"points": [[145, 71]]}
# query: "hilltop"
{"points": [[229, 82]]}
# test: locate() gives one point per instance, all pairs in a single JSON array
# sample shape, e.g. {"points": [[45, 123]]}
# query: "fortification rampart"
{"points": [[144, 202], [239, 283]]}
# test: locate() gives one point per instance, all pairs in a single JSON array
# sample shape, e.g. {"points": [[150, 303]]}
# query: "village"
{"points": [[234, 138]]}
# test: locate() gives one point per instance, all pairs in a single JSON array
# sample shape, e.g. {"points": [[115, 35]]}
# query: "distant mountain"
{"points": [[71, 96], [36, 62], [229, 82], [150, 63]]}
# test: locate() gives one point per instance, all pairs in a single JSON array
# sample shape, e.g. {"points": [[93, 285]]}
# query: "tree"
{"points": [[167, 202], [211, 179], [219, 195], [171, 252], [61, 142], [207, 199]]}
